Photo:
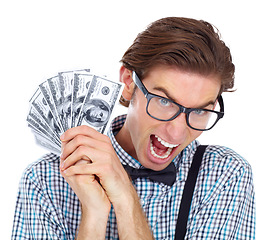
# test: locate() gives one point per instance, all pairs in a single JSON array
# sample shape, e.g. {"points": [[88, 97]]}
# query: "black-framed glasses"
{"points": [[164, 109]]}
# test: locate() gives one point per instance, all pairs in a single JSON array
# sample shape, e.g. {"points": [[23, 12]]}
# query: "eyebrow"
{"points": [[207, 104], [161, 89]]}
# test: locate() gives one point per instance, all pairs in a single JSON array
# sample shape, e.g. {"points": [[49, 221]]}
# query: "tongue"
{"points": [[157, 144]]}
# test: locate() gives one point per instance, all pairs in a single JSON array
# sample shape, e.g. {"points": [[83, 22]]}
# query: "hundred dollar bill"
{"points": [[35, 120], [80, 86], [38, 129], [45, 89], [40, 104], [99, 102], [44, 142], [54, 86], [66, 86]]}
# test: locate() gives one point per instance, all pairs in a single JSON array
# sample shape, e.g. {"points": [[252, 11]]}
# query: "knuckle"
{"points": [[107, 143], [78, 140], [68, 172], [81, 150], [84, 128]]}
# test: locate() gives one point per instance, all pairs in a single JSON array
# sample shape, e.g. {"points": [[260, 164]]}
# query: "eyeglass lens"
{"points": [[164, 109]]}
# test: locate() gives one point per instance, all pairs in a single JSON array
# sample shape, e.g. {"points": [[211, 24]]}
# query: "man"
{"points": [[174, 74], [97, 112]]}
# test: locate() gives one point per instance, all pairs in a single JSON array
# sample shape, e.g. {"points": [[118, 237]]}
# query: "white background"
{"points": [[40, 38]]}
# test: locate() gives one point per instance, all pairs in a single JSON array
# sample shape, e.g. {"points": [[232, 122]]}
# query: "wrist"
{"points": [[127, 200], [91, 215], [93, 224], [131, 220]]}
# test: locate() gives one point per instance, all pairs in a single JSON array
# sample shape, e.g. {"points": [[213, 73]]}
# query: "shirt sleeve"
{"points": [[35, 216], [227, 209]]}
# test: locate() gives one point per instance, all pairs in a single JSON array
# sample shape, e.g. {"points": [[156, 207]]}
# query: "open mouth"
{"points": [[160, 148]]}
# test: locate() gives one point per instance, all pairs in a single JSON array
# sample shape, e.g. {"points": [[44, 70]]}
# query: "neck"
{"points": [[124, 140]]}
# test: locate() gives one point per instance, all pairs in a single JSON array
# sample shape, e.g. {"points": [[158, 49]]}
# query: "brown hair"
{"points": [[185, 43]]}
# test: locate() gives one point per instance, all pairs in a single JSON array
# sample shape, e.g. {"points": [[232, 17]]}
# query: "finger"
{"points": [[80, 163], [82, 140], [102, 169], [81, 130], [79, 169], [76, 180], [113, 181], [84, 153], [95, 171]]}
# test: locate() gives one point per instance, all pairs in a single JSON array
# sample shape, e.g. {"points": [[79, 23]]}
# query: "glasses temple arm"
{"points": [[139, 83], [221, 103]]}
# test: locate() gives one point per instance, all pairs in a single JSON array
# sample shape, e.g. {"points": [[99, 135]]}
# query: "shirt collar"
{"points": [[126, 159]]}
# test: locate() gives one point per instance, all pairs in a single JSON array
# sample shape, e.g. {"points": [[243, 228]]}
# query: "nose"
{"points": [[177, 128]]}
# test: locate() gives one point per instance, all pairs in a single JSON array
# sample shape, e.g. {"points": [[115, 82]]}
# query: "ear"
{"points": [[126, 78]]}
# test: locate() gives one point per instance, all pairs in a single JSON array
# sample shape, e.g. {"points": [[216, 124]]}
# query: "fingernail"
{"points": [[62, 165], [62, 137]]}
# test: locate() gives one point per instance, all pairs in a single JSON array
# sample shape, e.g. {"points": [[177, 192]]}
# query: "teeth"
{"points": [[168, 145], [158, 156], [165, 143]]}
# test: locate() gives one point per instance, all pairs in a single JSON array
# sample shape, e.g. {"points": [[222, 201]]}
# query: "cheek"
{"points": [[137, 110], [139, 122]]}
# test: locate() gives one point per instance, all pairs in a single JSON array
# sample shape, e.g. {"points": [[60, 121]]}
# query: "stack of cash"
{"points": [[71, 99]]}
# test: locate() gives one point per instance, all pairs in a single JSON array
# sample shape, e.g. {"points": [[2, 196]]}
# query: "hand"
{"points": [[85, 143], [94, 203], [88, 157], [90, 193]]}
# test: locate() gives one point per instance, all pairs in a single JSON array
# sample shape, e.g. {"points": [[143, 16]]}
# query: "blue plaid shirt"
{"points": [[222, 206]]}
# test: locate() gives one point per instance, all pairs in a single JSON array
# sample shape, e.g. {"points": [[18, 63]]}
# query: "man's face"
{"points": [[98, 114], [155, 143]]}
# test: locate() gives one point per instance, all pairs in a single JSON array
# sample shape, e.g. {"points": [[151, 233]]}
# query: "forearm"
{"points": [[131, 220], [92, 227]]}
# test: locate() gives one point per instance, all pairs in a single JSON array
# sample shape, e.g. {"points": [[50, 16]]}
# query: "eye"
{"points": [[199, 112], [164, 102]]}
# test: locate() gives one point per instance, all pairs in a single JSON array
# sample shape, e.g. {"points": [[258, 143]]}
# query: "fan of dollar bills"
{"points": [[71, 99]]}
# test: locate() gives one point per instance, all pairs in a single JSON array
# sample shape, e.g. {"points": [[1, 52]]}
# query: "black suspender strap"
{"points": [[181, 225]]}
